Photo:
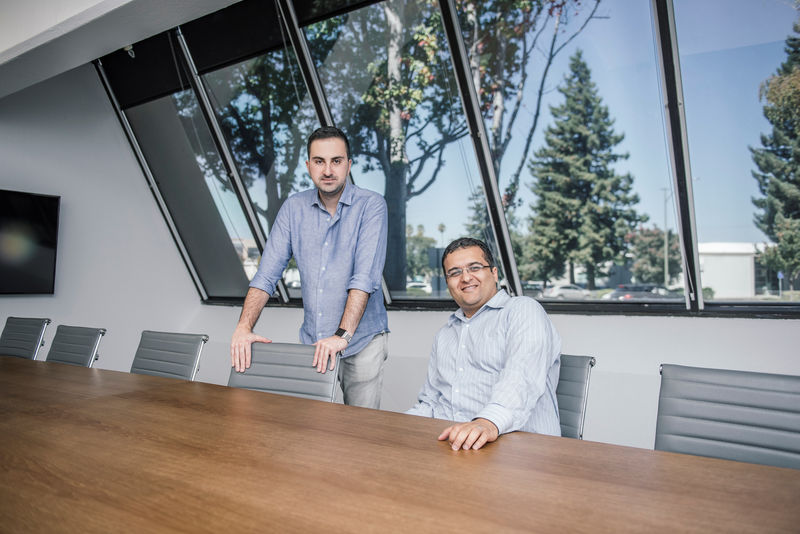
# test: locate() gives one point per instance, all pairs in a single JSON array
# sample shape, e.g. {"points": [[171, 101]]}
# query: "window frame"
{"points": [[666, 45]]}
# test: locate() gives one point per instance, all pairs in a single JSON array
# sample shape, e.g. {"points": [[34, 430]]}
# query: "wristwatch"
{"points": [[344, 334]]}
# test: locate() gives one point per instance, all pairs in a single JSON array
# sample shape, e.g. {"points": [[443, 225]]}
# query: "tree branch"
{"points": [[439, 164], [513, 186]]}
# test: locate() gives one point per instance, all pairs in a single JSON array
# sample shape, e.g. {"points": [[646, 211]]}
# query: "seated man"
{"points": [[494, 366]]}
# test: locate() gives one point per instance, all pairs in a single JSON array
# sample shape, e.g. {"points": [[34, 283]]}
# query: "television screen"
{"points": [[28, 238]]}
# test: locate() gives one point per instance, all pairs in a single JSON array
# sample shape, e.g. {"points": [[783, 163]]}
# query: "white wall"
{"points": [[118, 268]]}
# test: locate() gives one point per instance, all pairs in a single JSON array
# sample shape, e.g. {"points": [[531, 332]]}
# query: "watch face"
{"points": [[344, 334]]}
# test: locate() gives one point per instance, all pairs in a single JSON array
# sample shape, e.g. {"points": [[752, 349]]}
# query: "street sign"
{"points": [[780, 275]]}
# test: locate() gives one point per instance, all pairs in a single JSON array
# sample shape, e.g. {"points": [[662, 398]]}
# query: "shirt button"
{"points": [[460, 368], [320, 290], [462, 346], [328, 219], [456, 390], [467, 326], [320, 314], [326, 243], [323, 268]]}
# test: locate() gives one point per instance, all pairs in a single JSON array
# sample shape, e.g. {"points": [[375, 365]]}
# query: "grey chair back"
{"points": [[285, 368], [23, 336], [168, 354], [76, 345], [572, 392], [734, 415]]}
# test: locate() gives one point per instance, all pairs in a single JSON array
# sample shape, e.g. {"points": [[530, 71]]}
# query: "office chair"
{"points": [[23, 336], [572, 392], [734, 415], [76, 345], [168, 354], [285, 368]]}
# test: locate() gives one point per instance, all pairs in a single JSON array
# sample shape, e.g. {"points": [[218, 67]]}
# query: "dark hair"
{"points": [[465, 242], [327, 132]]}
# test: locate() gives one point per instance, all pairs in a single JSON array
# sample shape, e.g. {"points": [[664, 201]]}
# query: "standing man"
{"points": [[494, 366], [337, 234]]}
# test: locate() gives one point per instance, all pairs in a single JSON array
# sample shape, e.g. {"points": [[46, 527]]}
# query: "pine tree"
{"points": [[583, 209], [785, 256], [778, 163]]}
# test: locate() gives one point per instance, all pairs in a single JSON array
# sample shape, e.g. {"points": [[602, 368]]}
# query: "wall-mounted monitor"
{"points": [[28, 239]]}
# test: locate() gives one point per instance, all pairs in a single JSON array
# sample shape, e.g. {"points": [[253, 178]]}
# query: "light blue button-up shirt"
{"points": [[334, 254], [502, 364]]}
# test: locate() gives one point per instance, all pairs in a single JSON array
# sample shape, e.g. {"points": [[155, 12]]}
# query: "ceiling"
{"points": [[91, 33]]}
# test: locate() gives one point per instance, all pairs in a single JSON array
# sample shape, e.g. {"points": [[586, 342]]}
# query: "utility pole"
{"points": [[666, 242]]}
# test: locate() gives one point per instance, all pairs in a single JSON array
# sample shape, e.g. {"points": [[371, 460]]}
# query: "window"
{"points": [[180, 151], [577, 139], [748, 216], [387, 75], [265, 116], [582, 130]]}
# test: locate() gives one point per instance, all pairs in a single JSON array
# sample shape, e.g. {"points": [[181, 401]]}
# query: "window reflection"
{"points": [[180, 152], [266, 116], [745, 179], [387, 75]]}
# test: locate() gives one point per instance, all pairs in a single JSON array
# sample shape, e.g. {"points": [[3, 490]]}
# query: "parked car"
{"points": [[566, 291], [532, 289], [626, 292], [417, 287]]}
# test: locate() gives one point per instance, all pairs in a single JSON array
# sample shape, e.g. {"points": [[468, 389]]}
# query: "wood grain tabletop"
{"points": [[91, 450]]}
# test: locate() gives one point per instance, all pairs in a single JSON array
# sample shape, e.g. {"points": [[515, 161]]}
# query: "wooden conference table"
{"points": [[91, 450]]}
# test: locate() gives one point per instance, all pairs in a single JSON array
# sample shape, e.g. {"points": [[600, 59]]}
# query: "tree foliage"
{"points": [[785, 255], [262, 115], [648, 254], [778, 164], [583, 209], [782, 90]]}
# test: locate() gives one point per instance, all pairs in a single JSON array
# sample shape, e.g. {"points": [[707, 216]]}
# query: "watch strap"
{"points": [[344, 334]]}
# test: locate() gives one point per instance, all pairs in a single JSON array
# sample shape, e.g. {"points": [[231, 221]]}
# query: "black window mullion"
{"points": [[675, 123]]}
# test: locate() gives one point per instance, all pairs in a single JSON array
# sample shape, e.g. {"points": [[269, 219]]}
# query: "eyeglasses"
{"points": [[471, 269]]}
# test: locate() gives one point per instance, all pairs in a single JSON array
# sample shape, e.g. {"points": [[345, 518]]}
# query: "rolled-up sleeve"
{"points": [[276, 253], [370, 252], [531, 348]]}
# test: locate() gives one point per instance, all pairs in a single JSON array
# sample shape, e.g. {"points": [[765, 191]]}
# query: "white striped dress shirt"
{"points": [[502, 364]]}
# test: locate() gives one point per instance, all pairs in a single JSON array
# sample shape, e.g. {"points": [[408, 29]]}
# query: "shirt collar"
{"points": [[346, 198], [499, 300]]}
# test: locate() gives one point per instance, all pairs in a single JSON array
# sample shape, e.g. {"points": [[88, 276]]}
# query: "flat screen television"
{"points": [[28, 239]]}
